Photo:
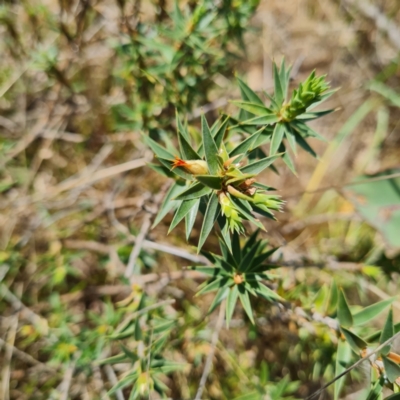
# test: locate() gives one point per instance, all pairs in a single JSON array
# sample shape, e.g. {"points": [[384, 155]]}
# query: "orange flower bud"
{"points": [[194, 167]]}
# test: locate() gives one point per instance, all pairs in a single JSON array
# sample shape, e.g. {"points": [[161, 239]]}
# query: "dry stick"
{"points": [[6, 374], [147, 244], [18, 305], [130, 268], [146, 225], [66, 382], [102, 174], [98, 382], [356, 364], [113, 379], [214, 340], [26, 357], [26, 140]]}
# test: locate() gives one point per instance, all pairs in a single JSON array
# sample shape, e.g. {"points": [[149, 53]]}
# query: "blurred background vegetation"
{"points": [[79, 81]]}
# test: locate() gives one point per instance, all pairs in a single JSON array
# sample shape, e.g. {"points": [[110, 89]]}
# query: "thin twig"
{"points": [[147, 244], [356, 364], [113, 379], [64, 386], [98, 382], [18, 305], [6, 372], [102, 174], [26, 357], [214, 340], [130, 268], [146, 225]]}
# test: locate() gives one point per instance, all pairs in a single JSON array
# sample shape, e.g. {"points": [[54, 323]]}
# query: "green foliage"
{"points": [[146, 363], [77, 86], [227, 187], [282, 118], [238, 274], [163, 65]]}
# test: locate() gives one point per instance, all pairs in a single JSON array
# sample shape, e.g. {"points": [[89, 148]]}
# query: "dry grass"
{"points": [[81, 199]]}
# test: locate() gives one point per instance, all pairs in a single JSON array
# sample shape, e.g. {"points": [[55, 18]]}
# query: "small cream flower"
{"points": [[194, 167]]}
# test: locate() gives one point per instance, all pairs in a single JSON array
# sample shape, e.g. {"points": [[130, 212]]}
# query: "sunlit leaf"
{"points": [[343, 311], [213, 209], [372, 311]]}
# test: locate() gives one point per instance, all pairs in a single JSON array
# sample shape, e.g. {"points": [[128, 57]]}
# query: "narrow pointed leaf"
{"points": [[375, 336], [217, 132], [333, 299], [210, 148], [190, 218], [212, 212], [245, 300], [274, 104], [355, 342], [168, 204], [387, 332], [375, 393], [248, 258], [258, 166], [289, 162], [291, 138], [323, 97], [248, 94], [219, 297], [210, 271], [220, 133], [277, 138], [212, 286], [267, 119], [284, 76], [253, 108], [395, 396], [177, 171], [237, 253], [278, 91], [391, 368], [267, 293], [250, 242], [372, 311], [246, 145], [224, 226], [159, 151], [123, 383], [242, 206], [112, 360], [309, 116], [303, 143], [343, 311], [194, 192], [304, 129], [343, 357], [181, 128], [212, 181], [187, 151], [259, 260], [181, 212], [230, 303], [162, 170]]}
